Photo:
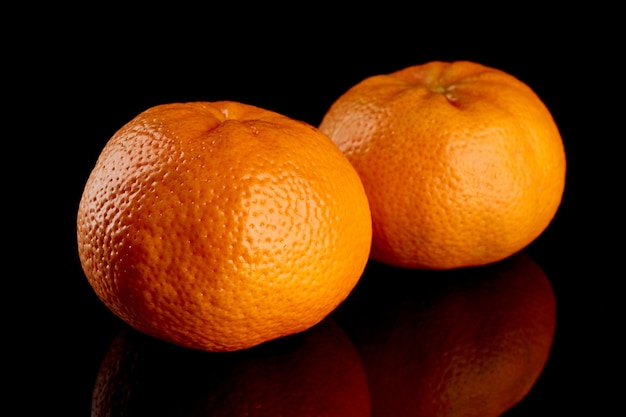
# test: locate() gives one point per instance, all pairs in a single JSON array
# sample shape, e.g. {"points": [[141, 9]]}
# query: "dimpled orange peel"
{"points": [[463, 164], [221, 225]]}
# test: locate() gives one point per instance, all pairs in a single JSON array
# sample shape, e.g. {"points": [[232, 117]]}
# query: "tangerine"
{"points": [[463, 164], [221, 225]]}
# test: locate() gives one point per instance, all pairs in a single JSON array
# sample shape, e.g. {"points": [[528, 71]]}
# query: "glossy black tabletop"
{"points": [[60, 335]]}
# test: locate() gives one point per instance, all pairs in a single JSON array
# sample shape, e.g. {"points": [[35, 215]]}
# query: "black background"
{"points": [[81, 74]]}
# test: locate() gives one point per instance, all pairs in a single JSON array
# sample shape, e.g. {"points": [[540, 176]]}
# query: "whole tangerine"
{"points": [[463, 164], [221, 225]]}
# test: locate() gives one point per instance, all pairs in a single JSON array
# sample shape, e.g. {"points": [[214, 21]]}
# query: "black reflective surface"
{"points": [[89, 82], [404, 343]]}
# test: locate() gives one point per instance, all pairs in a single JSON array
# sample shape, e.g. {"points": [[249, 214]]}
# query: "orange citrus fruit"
{"points": [[221, 225], [463, 164], [468, 342], [314, 373]]}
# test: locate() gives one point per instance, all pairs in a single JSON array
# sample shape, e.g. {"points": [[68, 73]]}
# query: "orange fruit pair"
{"points": [[463, 164], [468, 342], [219, 226], [317, 372]]}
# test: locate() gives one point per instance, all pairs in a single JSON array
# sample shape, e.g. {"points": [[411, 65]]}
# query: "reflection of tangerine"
{"points": [[451, 343], [313, 373]]}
